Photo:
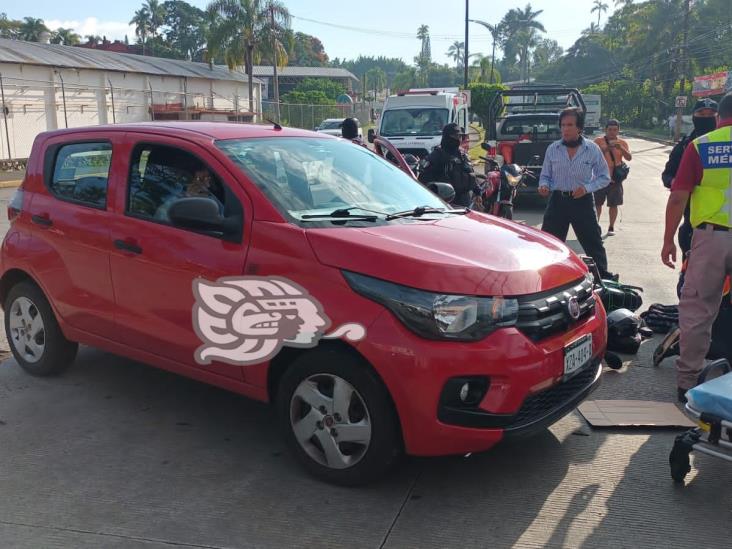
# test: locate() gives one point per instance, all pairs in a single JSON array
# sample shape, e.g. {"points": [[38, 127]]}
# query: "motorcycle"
{"points": [[498, 192]]}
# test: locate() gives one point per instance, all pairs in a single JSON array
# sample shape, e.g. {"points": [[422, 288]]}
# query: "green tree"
{"points": [[66, 37], [240, 32], [330, 89], [185, 29], [405, 80], [31, 29], [481, 96], [441, 76], [375, 80], [9, 28], [305, 50]]}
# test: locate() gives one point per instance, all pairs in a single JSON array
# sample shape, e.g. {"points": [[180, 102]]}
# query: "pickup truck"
{"points": [[523, 122]]}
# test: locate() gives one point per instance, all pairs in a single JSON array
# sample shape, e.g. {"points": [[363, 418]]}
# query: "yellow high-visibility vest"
{"points": [[711, 201]]}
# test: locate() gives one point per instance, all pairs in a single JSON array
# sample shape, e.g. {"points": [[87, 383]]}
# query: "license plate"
{"points": [[577, 354]]}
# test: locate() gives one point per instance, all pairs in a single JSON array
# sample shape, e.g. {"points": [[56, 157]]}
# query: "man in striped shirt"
{"points": [[574, 168]]}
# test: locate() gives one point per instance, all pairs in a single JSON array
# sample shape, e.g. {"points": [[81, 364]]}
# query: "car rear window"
{"points": [[81, 173], [545, 126]]}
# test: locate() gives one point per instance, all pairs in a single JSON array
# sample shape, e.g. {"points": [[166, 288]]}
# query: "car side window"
{"points": [[160, 175], [81, 173]]}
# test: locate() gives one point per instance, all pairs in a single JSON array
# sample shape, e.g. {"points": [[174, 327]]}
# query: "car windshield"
{"points": [[415, 121], [311, 177], [546, 126], [331, 124]]}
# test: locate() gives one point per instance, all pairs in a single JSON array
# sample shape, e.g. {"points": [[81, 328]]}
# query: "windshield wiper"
{"points": [[344, 214], [419, 211]]}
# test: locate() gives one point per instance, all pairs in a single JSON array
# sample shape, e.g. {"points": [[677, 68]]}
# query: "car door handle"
{"points": [[127, 246], [42, 220]]}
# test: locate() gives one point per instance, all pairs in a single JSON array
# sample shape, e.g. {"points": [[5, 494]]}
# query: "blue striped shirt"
{"points": [[587, 168]]}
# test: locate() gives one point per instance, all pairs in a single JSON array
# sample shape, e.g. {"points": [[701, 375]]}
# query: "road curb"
{"points": [[10, 184]]}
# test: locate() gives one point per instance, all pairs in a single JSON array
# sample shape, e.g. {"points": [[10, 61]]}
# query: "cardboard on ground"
{"points": [[633, 413]]}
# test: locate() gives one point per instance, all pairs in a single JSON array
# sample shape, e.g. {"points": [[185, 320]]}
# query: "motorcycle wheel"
{"points": [[505, 211]]}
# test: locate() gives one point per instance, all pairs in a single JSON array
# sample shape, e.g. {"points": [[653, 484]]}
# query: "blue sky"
{"points": [[395, 21]]}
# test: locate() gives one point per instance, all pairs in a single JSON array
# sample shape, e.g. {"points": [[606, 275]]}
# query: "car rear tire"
{"points": [[337, 418], [33, 333]]}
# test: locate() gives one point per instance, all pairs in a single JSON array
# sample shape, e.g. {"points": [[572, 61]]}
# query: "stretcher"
{"points": [[709, 404]]}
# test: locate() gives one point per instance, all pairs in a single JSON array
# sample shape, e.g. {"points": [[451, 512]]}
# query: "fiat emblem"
{"points": [[573, 308]]}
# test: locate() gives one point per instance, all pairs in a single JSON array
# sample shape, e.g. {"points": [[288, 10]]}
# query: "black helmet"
{"points": [[625, 344], [349, 128], [622, 322]]}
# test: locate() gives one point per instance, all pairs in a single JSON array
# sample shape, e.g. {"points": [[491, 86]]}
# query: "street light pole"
{"points": [[493, 29], [465, 53]]}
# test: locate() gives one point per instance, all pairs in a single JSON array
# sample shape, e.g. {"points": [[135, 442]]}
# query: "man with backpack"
{"points": [[705, 121]]}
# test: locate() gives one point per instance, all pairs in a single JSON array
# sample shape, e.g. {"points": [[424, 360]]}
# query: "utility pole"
{"points": [[274, 63], [682, 91], [465, 52]]}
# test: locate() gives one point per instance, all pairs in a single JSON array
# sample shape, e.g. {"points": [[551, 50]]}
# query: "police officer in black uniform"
{"points": [[449, 164], [704, 117]]}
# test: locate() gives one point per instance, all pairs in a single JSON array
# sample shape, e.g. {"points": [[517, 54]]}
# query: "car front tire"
{"points": [[337, 418]]}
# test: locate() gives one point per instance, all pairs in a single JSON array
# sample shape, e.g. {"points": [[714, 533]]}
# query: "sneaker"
{"points": [[611, 231]]}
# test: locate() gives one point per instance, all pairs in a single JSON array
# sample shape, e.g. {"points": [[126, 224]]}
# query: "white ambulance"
{"points": [[413, 120]]}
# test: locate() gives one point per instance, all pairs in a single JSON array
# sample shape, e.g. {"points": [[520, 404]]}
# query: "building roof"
{"points": [[53, 55], [322, 72]]}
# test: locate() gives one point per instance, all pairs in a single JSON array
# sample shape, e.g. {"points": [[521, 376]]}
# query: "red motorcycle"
{"points": [[497, 193]]}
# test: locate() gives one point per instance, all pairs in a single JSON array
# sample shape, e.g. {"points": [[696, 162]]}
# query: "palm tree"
{"points": [[240, 31], [600, 7], [66, 37], [456, 53], [141, 20], [157, 19], [31, 29], [519, 29], [423, 33], [495, 31]]}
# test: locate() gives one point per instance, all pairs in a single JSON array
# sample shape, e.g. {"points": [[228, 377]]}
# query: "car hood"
{"points": [[473, 254]]}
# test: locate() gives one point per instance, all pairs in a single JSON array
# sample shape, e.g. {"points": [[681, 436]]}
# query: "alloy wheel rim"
{"points": [[27, 332], [330, 421]]}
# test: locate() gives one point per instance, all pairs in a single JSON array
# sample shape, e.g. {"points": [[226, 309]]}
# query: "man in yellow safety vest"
{"points": [[705, 177]]}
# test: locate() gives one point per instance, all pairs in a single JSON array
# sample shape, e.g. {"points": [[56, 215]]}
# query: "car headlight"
{"points": [[513, 180], [438, 316]]}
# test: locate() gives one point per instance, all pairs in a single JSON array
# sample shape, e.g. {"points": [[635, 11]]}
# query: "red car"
{"points": [[303, 270]]}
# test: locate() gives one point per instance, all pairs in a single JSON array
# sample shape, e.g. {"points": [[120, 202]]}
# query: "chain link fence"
{"points": [[308, 117]]}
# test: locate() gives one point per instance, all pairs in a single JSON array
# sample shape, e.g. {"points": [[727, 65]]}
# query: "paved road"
{"points": [[117, 454]]}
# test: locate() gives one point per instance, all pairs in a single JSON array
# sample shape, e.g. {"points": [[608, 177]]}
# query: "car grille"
{"points": [[544, 403], [548, 313]]}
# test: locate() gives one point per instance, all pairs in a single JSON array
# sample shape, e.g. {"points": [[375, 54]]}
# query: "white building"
{"points": [[47, 86]]}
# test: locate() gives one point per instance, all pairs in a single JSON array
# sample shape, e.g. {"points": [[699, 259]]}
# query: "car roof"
{"points": [[212, 130]]}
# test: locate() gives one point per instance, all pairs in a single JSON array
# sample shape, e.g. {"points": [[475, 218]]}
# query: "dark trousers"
{"points": [[564, 210]]}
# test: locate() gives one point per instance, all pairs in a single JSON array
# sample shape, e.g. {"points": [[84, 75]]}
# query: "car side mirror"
{"points": [[443, 190], [372, 135], [200, 213]]}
